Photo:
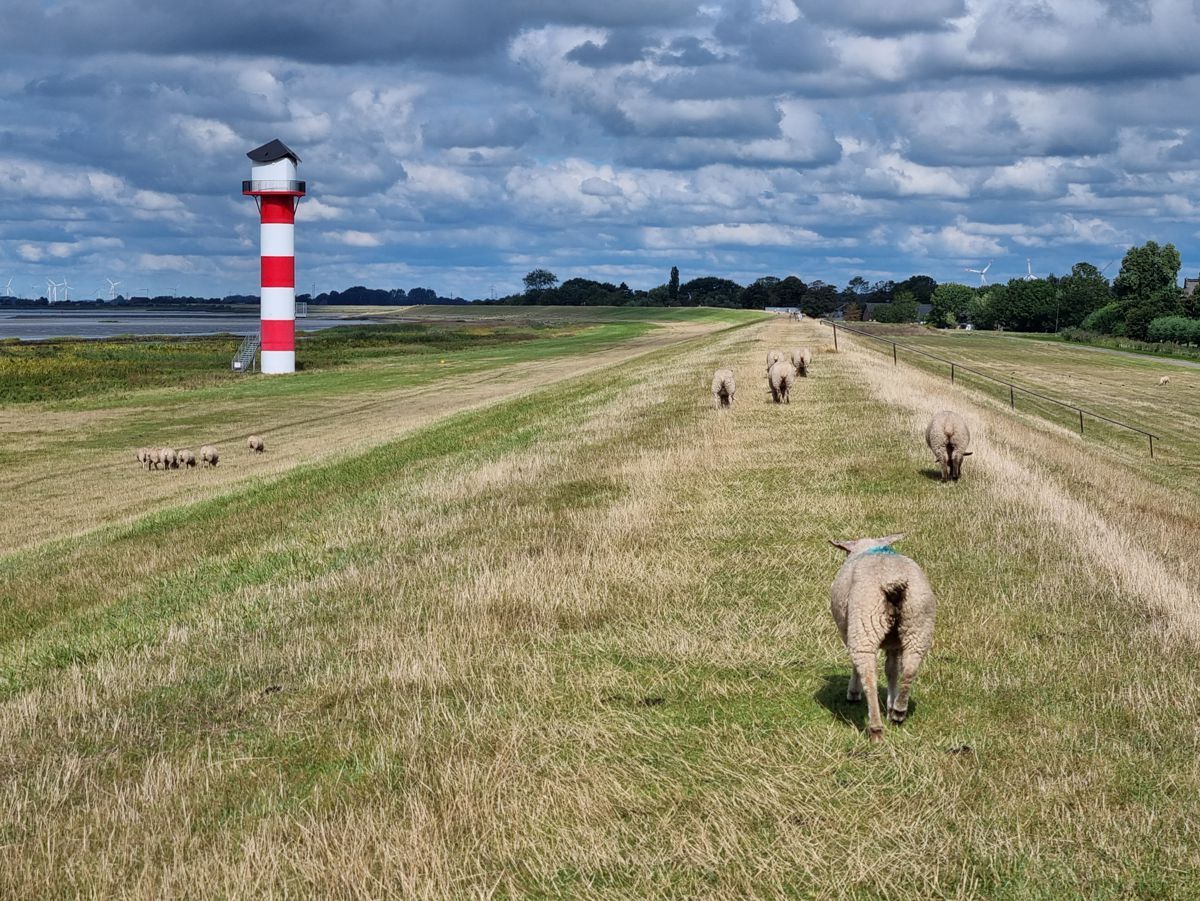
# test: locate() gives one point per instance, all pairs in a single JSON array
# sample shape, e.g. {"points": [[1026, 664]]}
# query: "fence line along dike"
{"points": [[1013, 389]]}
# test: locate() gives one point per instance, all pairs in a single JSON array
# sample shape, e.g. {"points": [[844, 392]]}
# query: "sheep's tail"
{"points": [[895, 593]]}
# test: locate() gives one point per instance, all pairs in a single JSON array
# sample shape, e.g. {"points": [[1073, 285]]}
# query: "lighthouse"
{"points": [[275, 189]]}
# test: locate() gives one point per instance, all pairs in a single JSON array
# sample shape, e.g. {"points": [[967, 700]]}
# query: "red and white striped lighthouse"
{"points": [[274, 187]]}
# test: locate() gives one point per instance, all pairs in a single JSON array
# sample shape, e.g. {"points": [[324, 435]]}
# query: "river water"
{"points": [[35, 325]]}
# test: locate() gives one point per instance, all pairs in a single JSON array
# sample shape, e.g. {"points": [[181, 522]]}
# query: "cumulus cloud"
{"points": [[740, 136]]}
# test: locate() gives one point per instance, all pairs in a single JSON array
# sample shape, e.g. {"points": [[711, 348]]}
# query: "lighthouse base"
{"points": [[277, 362]]}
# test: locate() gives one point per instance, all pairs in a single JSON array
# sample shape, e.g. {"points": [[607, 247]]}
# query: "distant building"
{"points": [[868, 310], [1189, 286]]}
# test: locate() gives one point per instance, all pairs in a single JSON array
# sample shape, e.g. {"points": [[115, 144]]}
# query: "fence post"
{"points": [[1080, 422], [1012, 401], [893, 353], [835, 347], [951, 373], [1151, 447]]}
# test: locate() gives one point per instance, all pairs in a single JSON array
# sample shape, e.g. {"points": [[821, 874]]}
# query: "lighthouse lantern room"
{"points": [[276, 190]]}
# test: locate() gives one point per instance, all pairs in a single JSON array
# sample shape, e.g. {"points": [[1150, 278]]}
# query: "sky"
{"points": [[459, 144]]}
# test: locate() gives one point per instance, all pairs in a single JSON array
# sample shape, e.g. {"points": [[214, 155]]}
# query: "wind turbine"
{"points": [[66, 290], [52, 289], [8, 289], [1029, 276], [982, 273], [1106, 265], [112, 288]]}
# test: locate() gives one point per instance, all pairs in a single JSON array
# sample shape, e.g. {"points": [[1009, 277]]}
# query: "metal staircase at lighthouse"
{"points": [[245, 358]]}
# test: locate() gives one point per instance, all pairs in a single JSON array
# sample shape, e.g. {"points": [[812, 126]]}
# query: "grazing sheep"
{"points": [[882, 599], [209, 455], [781, 376], [948, 437], [773, 357], [187, 459], [169, 458], [1165, 380], [255, 443], [143, 456], [723, 388], [801, 360], [153, 458]]}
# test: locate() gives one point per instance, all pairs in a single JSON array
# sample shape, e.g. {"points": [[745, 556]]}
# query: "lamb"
{"points": [[1165, 380], [255, 443], [948, 437], [801, 360], [209, 455], [169, 458], [882, 599], [773, 357], [187, 459], [781, 376], [723, 388]]}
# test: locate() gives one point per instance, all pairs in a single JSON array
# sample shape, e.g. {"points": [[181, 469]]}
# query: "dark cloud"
{"points": [[874, 18]]}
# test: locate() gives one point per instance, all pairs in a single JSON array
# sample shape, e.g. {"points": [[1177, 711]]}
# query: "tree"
{"points": [[673, 285], [710, 292], [790, 293], [903, 308], [1081, 293], [539, 280], [951, 304], [920, 286], [759, 294], [1028, 305], [819, 300], [1147, 270], [852, 313]]}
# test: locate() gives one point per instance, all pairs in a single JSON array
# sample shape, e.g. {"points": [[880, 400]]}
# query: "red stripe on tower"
{"points": [[277, 191]]}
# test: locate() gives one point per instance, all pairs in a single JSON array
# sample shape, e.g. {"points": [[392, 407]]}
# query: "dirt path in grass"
{"points": [[75, 488]]}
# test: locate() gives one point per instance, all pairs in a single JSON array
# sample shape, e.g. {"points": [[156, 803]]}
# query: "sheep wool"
{"points": [[209, 455], [881, 599], [781, 376], [801, 360], [948, 437], [1165, 380], [723, 388], [169, 458], [773, 357], [255, 443], [186, 458], [153, 458]]}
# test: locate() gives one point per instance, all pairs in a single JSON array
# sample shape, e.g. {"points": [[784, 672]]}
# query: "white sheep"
{"points": [[801, 360], [209, 455], [143, 457], [153, 457], [781, 376], [186, 458], [169, 458], [882, 599], [1165, 380], [255, 443], [773, 357], [723, 388], [948, 437]]}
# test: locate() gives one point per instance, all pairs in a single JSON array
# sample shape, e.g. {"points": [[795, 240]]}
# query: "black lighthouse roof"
{"points": [[269, 153]]}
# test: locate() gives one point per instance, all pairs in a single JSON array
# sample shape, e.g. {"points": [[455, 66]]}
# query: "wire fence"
{"points": [[1013, 389]]}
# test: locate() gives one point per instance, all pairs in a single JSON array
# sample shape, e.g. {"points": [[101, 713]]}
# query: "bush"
{"points": [[1104, 320], [1178, 329]]}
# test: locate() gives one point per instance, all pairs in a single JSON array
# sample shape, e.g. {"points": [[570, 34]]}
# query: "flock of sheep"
{"points": [[880, 599], [182, 458]]}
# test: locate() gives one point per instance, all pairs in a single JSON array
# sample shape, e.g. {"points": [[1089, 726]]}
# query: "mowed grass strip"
{"points": [[580, 645]]}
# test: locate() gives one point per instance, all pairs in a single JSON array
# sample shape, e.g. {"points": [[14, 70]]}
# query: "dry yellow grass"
{"points": [[579, 645]]}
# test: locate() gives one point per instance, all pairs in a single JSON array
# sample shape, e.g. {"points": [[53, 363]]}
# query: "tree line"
{"points": [[1144, 301]]}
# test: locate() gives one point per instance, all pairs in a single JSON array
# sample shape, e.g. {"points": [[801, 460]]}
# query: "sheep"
{"points": [[773, 357], [153, 458], [169, 458], [723, 388], [209, 455], [801, 360], [882, 599], [143, 457], [948, 437], [255, 443], [781, 376], [187, 459], [1165, 380]]}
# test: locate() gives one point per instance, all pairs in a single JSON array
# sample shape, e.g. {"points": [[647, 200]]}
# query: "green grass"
{"points": [[578, 644]]}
